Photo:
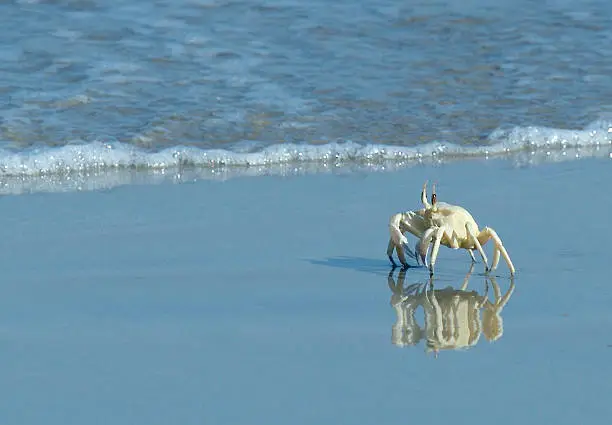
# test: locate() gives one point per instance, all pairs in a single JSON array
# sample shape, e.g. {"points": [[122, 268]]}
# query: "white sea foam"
{"points": [[99, 165]]}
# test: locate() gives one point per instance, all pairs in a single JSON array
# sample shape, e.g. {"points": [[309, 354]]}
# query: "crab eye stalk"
{"points": [[424, 196], [434, 197]]}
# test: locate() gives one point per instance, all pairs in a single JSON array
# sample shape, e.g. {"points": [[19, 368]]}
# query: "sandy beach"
{"points": [[269, 300]]}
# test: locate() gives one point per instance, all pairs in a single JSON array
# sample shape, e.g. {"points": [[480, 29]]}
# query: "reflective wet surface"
{"points": [[272, 300]]}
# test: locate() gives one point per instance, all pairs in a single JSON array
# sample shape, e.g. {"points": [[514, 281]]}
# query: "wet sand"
{"points": [[270, 300]]}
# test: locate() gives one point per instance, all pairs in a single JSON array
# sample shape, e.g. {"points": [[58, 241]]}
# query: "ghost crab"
{"points": [[443, 224]]}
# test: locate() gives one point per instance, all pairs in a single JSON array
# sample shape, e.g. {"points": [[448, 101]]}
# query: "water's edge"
{"points": [[96, 165]]}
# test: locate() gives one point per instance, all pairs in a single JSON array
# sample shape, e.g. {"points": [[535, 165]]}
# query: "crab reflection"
{"points": [[454, 319]]}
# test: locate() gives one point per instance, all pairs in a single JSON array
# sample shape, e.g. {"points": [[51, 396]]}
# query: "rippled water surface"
{"points": [[136, 78]]}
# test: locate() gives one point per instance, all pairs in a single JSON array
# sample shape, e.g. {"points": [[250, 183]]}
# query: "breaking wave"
{"points": [[100, 165]]}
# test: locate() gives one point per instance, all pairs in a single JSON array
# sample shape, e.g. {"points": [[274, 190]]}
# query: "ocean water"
{"points": [[271, 300], [95, 94]]}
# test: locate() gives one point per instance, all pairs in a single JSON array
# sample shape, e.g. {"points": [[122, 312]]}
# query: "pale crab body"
{"points": [[438, 224], [454, 220]]}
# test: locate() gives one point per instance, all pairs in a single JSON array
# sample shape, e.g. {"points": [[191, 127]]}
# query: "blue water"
{"points": [[88, 88], [268, 301]]}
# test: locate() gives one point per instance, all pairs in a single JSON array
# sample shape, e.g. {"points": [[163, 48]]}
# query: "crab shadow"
{"points": [[360, 264]]}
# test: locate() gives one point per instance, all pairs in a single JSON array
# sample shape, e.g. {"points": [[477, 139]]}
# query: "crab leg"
{"points": [[434, 251], [395, 231], [452, 238], [390, 249], [401, 254], [476, 241], [472, 255], [488, 233], [496, 252], [423, 245], [417, 247]]}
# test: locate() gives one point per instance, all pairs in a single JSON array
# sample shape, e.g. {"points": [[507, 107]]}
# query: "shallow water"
{"points": [[268, 300], [165, 85]]}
